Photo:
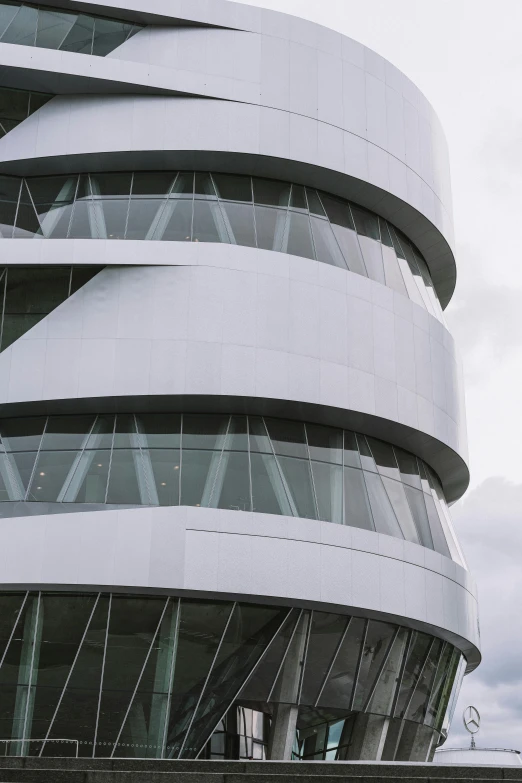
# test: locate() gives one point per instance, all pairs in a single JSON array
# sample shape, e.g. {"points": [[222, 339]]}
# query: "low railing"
{"points": [[25, 743]]}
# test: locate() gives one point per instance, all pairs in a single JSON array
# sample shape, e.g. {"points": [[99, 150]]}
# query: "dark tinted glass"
{"points": [[233, 187]]}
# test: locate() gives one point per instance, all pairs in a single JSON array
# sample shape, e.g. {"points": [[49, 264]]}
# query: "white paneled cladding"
{"points": [[192, 325]]}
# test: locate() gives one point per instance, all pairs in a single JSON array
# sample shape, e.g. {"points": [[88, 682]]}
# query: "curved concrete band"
{"points": [[260, 557]]}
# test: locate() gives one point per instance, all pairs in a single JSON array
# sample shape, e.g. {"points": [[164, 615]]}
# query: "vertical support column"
{"points": [[286, 695], [159, 708], [25, 692]]}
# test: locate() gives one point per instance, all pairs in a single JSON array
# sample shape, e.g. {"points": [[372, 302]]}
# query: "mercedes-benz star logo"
{"points": [[471, 719]]}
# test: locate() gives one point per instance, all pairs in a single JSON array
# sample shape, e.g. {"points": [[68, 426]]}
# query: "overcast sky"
{"points": [[465, 55]]}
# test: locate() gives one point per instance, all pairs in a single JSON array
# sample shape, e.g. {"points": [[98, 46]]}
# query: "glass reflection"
{"points": [[32, 25], [188, 206], [240, 463], [153, 676]]}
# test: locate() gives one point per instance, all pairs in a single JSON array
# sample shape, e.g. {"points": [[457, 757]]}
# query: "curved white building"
{"points": [[231, 413]]}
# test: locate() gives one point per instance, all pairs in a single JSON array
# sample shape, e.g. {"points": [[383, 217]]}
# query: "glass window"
{"points": [[299, 485], [240, 224], [437, 533], [259, 440], [178, 221], [7, 13], [51, 475], [81, 275], [85, 221], [326, 248], [349, 244], [111, 217], [204, 185], [27, 223], [338, 211], [268, 490], [160, 430], [22, 29], [144, 217], [351, 455], [328, 484], [22, 466], [356, 506], [372, 254], [126, 478], [297, 239], [325, 636], [67, 432], [53, 26], [270, 227], [101, 436], [298, 198], [22, 434], [89, 481], [79, 39], [208, 225], [384, 458], [314, 203], [111, 185], [197, 478], [55, 220], [383, 513], [288, 437], [418, 509], [325, 443], [385, 233], [366, 223], [152, 184], [233, 187], [7, 218], [337, 692], [232, 486], [271, 192], [367, 460], [183, 186], [401, 507], [108, 35], [392, 271], [204, 431], [165, 464], [408, 467], [379, 637]]}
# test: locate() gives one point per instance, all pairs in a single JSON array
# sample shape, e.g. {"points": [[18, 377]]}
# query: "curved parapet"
{"points": [[231, 413]]}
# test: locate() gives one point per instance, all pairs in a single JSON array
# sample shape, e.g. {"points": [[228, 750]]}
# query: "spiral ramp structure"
{"points": [[231, 413]]}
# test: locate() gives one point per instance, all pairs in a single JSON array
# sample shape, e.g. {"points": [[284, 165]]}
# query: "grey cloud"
{"points": [[489, 523]]}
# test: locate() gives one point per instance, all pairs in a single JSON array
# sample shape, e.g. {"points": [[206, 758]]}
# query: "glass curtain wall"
{"points": [[28, 294], [17, 105], [109, 675], [239, 463], [55, 28], [189, 206]]}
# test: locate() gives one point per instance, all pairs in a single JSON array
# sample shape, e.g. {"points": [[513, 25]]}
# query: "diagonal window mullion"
{"points": [[74, 467], [131, 702], [359, 664], [418, 678], [102, 676], [282, 663], [250, 674], [334, 658], [207, 678], [31, 671], [381, 669], [15, 624], [286, 488], [33, 471], [62, 694], [110, 459], [171, 680]]}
